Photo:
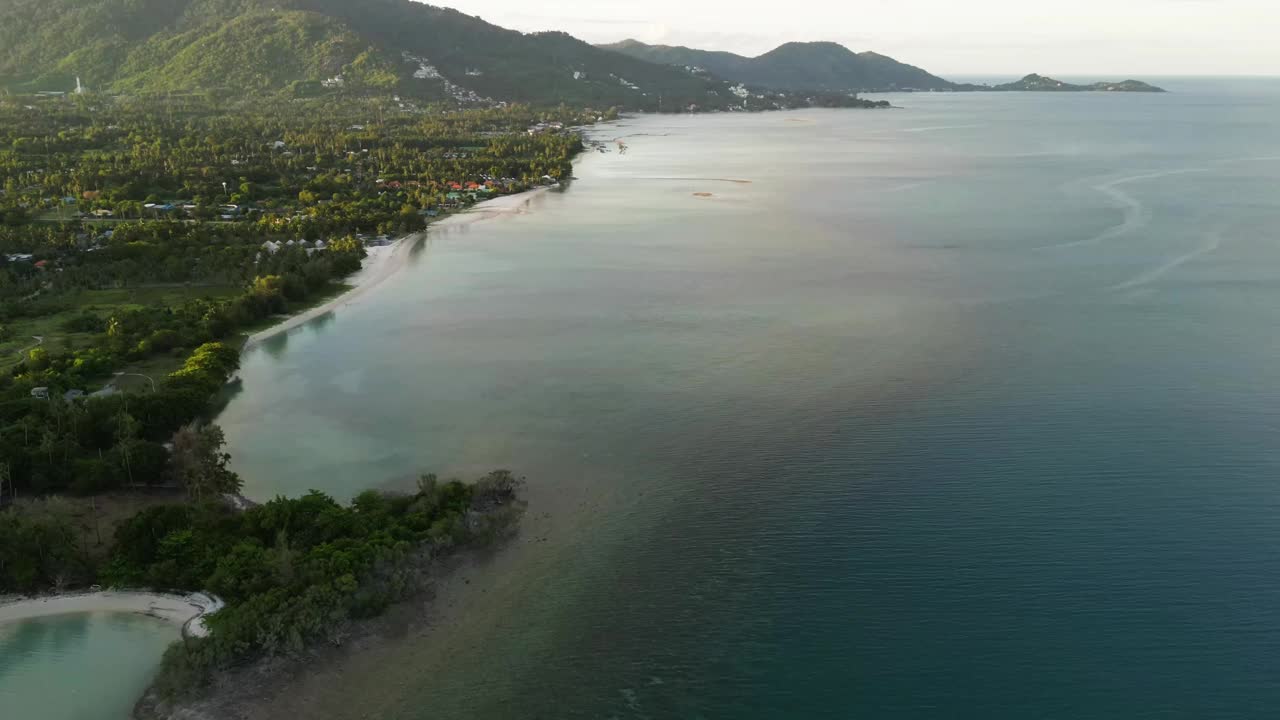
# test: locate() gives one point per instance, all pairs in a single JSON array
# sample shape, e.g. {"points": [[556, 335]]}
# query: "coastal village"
{"points": [[447, 197], [97, 212]]}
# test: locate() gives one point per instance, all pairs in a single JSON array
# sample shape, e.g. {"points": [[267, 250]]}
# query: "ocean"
{"points": [[966, 409]]}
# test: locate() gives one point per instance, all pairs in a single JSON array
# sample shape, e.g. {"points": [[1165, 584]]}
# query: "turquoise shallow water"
{"points": [[79, 667], [967, 410]]}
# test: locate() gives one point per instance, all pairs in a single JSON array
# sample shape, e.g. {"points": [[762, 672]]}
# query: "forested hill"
{"points": [[796, 67], [249, 46]]}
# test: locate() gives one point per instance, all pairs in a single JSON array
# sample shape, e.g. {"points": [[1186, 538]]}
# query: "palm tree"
{"points": [[126, 437], [199, 463]]}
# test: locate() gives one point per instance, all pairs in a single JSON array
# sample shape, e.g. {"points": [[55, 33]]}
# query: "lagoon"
{"points": [[81, 666]]}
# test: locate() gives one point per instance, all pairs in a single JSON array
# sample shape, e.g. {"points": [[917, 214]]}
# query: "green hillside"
{"points": [[256, 51], [246, 46], [822, 66], [723, 64]]}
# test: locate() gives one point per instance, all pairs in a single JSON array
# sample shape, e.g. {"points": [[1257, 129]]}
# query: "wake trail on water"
{"points": [[1136, 214], [1213, 241], [936, 128], [735, 181], [1237, 161], [908, 186]]}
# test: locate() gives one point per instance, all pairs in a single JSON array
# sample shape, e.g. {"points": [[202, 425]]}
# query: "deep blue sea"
{"points": [[968, 409]]}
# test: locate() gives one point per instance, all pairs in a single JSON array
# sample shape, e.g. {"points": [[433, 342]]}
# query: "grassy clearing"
{"points": [[142, 377], [22, 332], [168, 295], [51, 326], [56, 215], [96, 518], [136, 377]]}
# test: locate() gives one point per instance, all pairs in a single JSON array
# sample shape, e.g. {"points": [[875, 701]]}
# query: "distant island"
{"points": [[1040, 83]]}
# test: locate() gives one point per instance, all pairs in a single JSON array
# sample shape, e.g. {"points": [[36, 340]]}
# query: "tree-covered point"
{"points": [[292, 571], [297, 571]]}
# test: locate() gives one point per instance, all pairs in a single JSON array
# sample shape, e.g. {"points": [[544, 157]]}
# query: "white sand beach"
{"points": [[186, 611], [385, 261]]}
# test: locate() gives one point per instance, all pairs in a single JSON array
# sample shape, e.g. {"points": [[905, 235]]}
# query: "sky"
{"points": [[947, 37]]}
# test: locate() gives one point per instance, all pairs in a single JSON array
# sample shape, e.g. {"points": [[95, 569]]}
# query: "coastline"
{"points": [[268, 687], [384, 262], [295, 686], [439, 634], [250, 690], [256, 690], [186, 611]]}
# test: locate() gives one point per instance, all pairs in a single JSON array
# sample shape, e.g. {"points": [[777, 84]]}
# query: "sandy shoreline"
{"points": [[385, 261], [186, 611]]}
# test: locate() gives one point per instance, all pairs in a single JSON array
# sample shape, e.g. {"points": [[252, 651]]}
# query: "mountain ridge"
{"points": [[795, 67]]}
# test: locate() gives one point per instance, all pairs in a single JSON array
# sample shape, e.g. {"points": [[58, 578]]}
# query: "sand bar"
{"points": [[186, 611]]}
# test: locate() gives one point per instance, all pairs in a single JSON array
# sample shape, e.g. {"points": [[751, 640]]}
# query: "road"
{"points": [[39, 341]]}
